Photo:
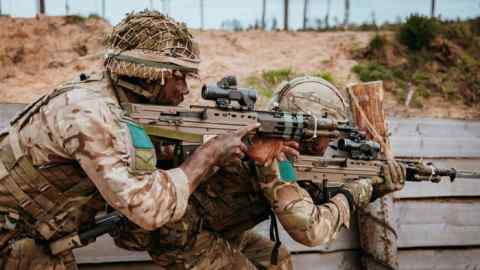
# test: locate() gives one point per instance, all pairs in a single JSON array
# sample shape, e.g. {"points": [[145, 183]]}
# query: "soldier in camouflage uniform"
{"points": [[74, 149], [215, 232]]}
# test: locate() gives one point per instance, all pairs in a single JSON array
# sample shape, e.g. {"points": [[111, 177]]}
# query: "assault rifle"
{"points": [[323, 176], [190, 127], [106, 224]]}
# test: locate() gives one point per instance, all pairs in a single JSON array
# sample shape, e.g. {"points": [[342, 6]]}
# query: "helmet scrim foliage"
{"points": [[147, 43]]}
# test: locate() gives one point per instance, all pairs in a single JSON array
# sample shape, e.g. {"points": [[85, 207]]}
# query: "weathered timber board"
{"points": [[421, 223], [345, 260], [104, 250], [415, 259], [444, 259], [443, 222], [423, 137]]}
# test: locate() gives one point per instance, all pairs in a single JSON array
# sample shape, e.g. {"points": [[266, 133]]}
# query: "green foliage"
{"points": [[259, 85], [94, 16], [276, 76], [74, 19], [377, 42], [461, 32], [269, 79], [372, 71], [326, 76], [418, 32], [420, 77]]}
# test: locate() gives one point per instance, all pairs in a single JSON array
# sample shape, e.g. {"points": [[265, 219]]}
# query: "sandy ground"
{"points": [[36, 54]]}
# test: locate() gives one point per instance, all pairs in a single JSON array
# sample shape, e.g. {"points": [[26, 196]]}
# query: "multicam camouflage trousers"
{"points": [[249, 251], [27, 254]]}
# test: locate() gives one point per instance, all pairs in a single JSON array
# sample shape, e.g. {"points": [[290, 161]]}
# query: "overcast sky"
{"points": [[247, 11]]}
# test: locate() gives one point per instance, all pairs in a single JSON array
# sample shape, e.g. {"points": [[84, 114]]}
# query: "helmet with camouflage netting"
{"points": [[150, 45], [312, 95]]}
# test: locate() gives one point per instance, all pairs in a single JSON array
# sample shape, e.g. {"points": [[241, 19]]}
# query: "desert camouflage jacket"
{"points": [[81, 126]]}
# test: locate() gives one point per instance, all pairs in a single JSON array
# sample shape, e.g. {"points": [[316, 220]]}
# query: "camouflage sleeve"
{"points": [[93, 132], [305, 222]]}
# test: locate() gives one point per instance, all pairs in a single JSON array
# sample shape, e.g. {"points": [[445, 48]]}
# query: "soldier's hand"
{"points": [[393, 179], [265, 150], [358, 192], [229, 148]]}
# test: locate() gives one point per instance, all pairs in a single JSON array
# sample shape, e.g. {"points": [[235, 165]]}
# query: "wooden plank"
{"points": [[439, 223], [340, 260], [459, 188], [428, 127], [424, 137], [416, 259], [104, 250], [449, 222], [344, 260], [461, 147], [444, 259]]}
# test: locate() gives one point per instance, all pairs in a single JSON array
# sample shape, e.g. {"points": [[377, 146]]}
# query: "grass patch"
{"points": [[372, 71], [326, 76], [269, 80]]}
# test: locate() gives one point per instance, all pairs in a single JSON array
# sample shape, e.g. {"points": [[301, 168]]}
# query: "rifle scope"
{"points": [[213, 92], [226, 91], [364, 150]]}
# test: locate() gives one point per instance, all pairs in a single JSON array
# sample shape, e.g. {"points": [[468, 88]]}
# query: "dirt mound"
{"points": [[44, 51], [440, 80], [38, 53]]}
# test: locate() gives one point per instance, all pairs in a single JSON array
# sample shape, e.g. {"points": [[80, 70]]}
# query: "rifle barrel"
{"points": [[468, 174]]}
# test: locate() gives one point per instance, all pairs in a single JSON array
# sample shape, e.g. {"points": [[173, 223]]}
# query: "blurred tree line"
{"points": [[262, 24]]}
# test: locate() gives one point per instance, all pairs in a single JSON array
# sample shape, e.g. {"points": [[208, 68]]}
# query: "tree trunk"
{"points": [[41, 6], [434, 3], [347, 14], [377, 228], [264, 13], [202, 25], [67, 7], [327, 14], [285, 15], [103, 8], [305, 13], [0, 7]]}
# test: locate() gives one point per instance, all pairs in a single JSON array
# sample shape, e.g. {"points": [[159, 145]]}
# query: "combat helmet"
{"points": [[312, 95], [150, 45]]}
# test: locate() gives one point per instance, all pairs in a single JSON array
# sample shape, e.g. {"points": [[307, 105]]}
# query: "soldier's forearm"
{"points": [[197, 166]]}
